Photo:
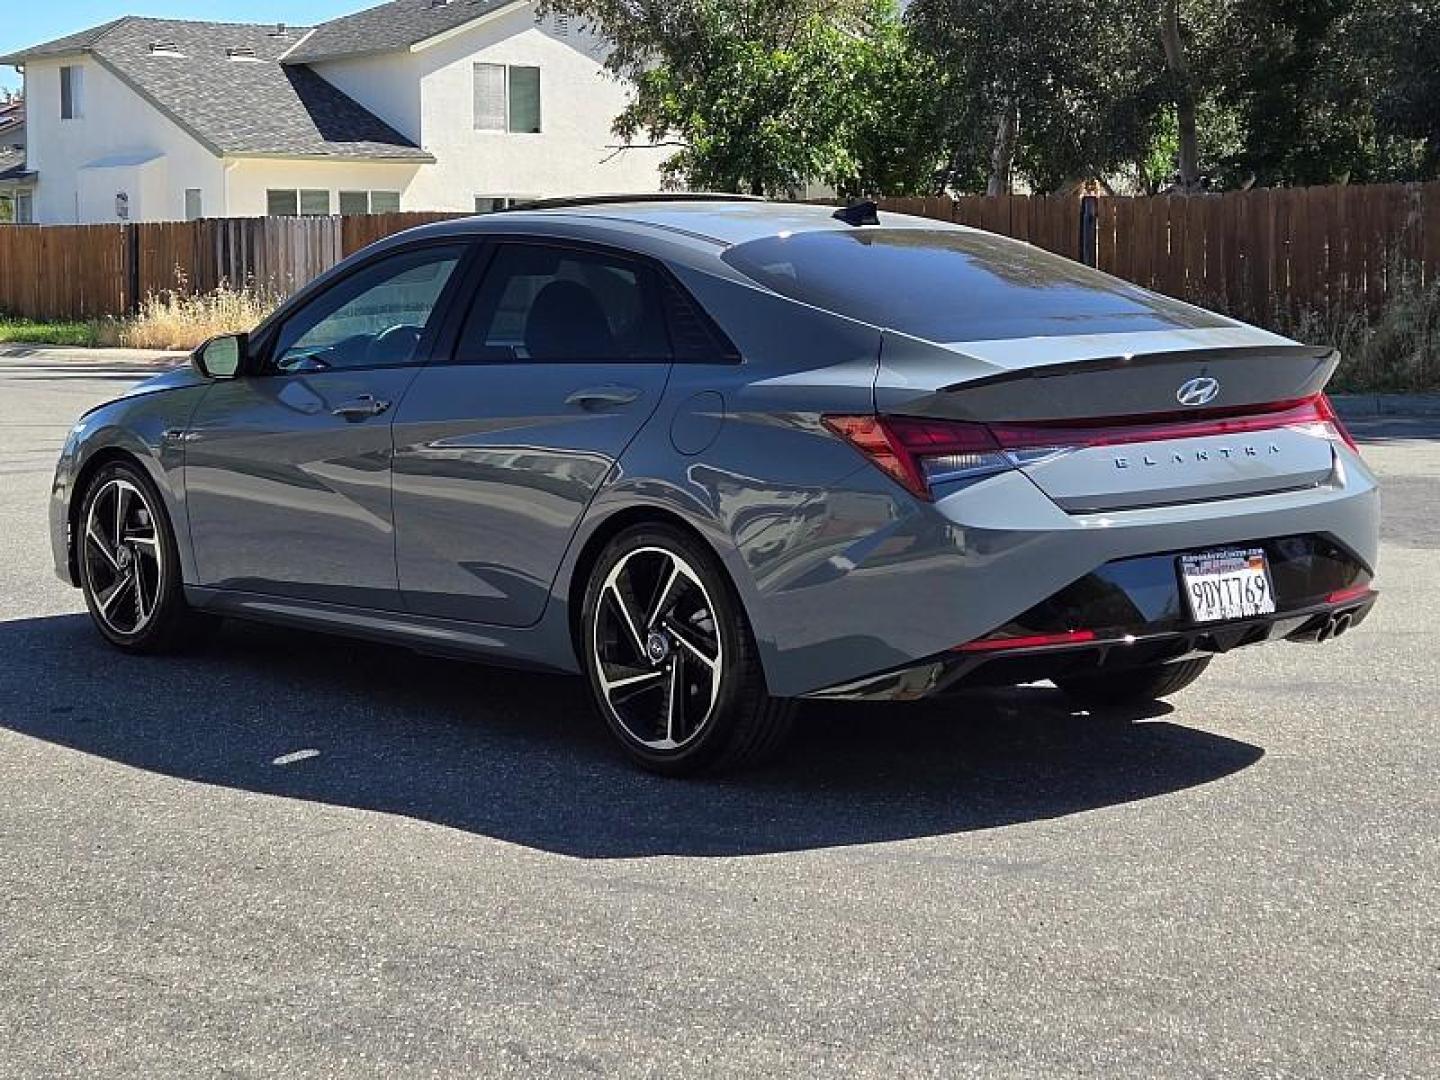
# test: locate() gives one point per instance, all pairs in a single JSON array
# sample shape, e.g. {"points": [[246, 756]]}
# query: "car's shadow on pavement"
{"points": [[520, 757]]}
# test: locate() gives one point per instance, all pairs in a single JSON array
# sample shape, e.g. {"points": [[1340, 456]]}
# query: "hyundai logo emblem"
{"points": [[1197, 392]]}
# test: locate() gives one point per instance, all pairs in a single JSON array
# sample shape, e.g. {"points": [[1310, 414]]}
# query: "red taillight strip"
{"points": [[1121, 430], [1070, 637]]}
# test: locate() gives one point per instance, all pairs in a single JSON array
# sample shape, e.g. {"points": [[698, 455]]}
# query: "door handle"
{"points": [[364, 407], [600, 397]]}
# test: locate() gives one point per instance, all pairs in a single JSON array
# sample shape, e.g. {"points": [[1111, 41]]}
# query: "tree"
{"points": [[1325, 91], [766, 96], [1187, 137], [1050, 91]]}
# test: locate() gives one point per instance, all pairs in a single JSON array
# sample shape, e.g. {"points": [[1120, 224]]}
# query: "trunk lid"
{"points": [[1125, 421]]}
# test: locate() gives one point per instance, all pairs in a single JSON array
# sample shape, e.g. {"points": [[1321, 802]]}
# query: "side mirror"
{"points": [[221, 357]]}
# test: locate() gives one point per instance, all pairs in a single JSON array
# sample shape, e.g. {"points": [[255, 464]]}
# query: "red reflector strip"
{"points": [[1345, 596], [1070, 637]]}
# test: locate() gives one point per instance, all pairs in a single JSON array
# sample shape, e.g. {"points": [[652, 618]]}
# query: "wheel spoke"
{"points": [[141, 614], [619, 602], [611, 685], [148, 542], [96, 541], [689, 646], [120, 587], [673, 705], [659, 609], [122, 504]]}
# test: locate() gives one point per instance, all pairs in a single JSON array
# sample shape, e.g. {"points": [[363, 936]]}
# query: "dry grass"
{"points": [[1396, 349], [176, 320]]}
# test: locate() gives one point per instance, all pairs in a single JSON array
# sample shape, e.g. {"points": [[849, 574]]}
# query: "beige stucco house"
{"points": [[415, 104]]}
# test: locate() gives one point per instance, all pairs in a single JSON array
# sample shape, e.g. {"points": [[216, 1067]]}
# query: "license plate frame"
{"points": [[1227, 584]]}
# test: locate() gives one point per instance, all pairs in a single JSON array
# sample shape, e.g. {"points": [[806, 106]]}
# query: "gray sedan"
{"points": [[721, 455]]}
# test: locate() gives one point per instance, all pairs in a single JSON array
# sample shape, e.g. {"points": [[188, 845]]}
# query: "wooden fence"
{"points": [[1252, 254], [95, 271]]}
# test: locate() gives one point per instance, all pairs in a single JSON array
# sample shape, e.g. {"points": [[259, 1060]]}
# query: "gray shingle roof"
{"points": [[395, 25], [249, 106], [12, 164], [67, 45]]}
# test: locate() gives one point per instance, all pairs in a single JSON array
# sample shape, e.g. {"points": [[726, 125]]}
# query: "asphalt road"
{"points": [[295, 856]]}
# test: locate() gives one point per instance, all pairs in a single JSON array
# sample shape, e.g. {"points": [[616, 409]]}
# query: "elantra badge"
{"points": [[1198, 392]]}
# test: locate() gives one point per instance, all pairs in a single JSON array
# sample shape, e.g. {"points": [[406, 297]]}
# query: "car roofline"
{"points": [[575, 201]]}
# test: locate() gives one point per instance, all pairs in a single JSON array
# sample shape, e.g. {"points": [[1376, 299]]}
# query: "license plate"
{"points": [[1223, 585]]}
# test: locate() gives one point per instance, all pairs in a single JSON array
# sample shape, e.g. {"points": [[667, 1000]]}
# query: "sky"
{"points": [[32, 21]]}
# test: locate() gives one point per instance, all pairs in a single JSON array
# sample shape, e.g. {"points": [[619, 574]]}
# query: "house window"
{"points": [[314, 203], [354, 202], [24, 208], [72, 85], [369, 202], [194, 204], [525, 100], [287, 202], [281, 203], [507, 98]]}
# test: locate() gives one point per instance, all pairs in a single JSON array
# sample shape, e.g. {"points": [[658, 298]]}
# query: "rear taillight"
{"points": [[920, 453], [1328, 416]]}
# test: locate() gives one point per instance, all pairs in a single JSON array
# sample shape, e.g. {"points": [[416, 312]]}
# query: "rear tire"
{"points": [[671, 658], [1134, 687], [129, 566]]}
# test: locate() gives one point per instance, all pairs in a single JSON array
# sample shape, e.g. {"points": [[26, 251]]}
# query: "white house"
{"points": [[414, 105]]}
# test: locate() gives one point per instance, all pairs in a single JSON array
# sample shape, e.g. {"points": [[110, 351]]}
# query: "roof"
{"points": [[254, 107], [12, 115], [726, 220], [12, 165], [67, 45], [395, 25]]}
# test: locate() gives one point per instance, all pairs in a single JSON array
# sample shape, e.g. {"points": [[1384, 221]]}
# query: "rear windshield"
{"points": [[955, 286]]}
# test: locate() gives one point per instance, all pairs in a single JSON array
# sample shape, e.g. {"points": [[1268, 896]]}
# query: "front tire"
{"points": [[1136, 687], [671, 658], [129, 566]]}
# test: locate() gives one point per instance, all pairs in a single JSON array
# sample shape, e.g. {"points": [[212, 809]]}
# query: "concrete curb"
{"points": [[1369, 406], [19, 350]]}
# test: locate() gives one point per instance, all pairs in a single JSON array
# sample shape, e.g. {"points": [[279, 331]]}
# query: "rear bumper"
{"points": [[861, 579], [1114, 651]]}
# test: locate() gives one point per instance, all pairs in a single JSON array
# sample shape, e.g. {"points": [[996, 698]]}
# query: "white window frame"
{"points": [[23, 208], [507, 126], [199, 211]]}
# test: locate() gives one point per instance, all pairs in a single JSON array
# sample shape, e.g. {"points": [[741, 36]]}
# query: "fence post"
{"points": [[131, 239], [1089, 231]]}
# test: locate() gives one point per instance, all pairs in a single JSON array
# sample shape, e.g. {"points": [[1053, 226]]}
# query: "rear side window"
{"points": [[955, 286], [543, 304]]}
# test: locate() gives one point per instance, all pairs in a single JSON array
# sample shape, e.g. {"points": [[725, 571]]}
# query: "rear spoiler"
{"points": [[1125, 385]]}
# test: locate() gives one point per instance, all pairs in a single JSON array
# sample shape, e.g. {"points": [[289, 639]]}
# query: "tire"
{"points": [[671, 658], [149, 616], [1134, 687]]}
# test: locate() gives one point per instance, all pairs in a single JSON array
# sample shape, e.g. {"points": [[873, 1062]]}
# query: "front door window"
{"points": [[374, 318]]}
